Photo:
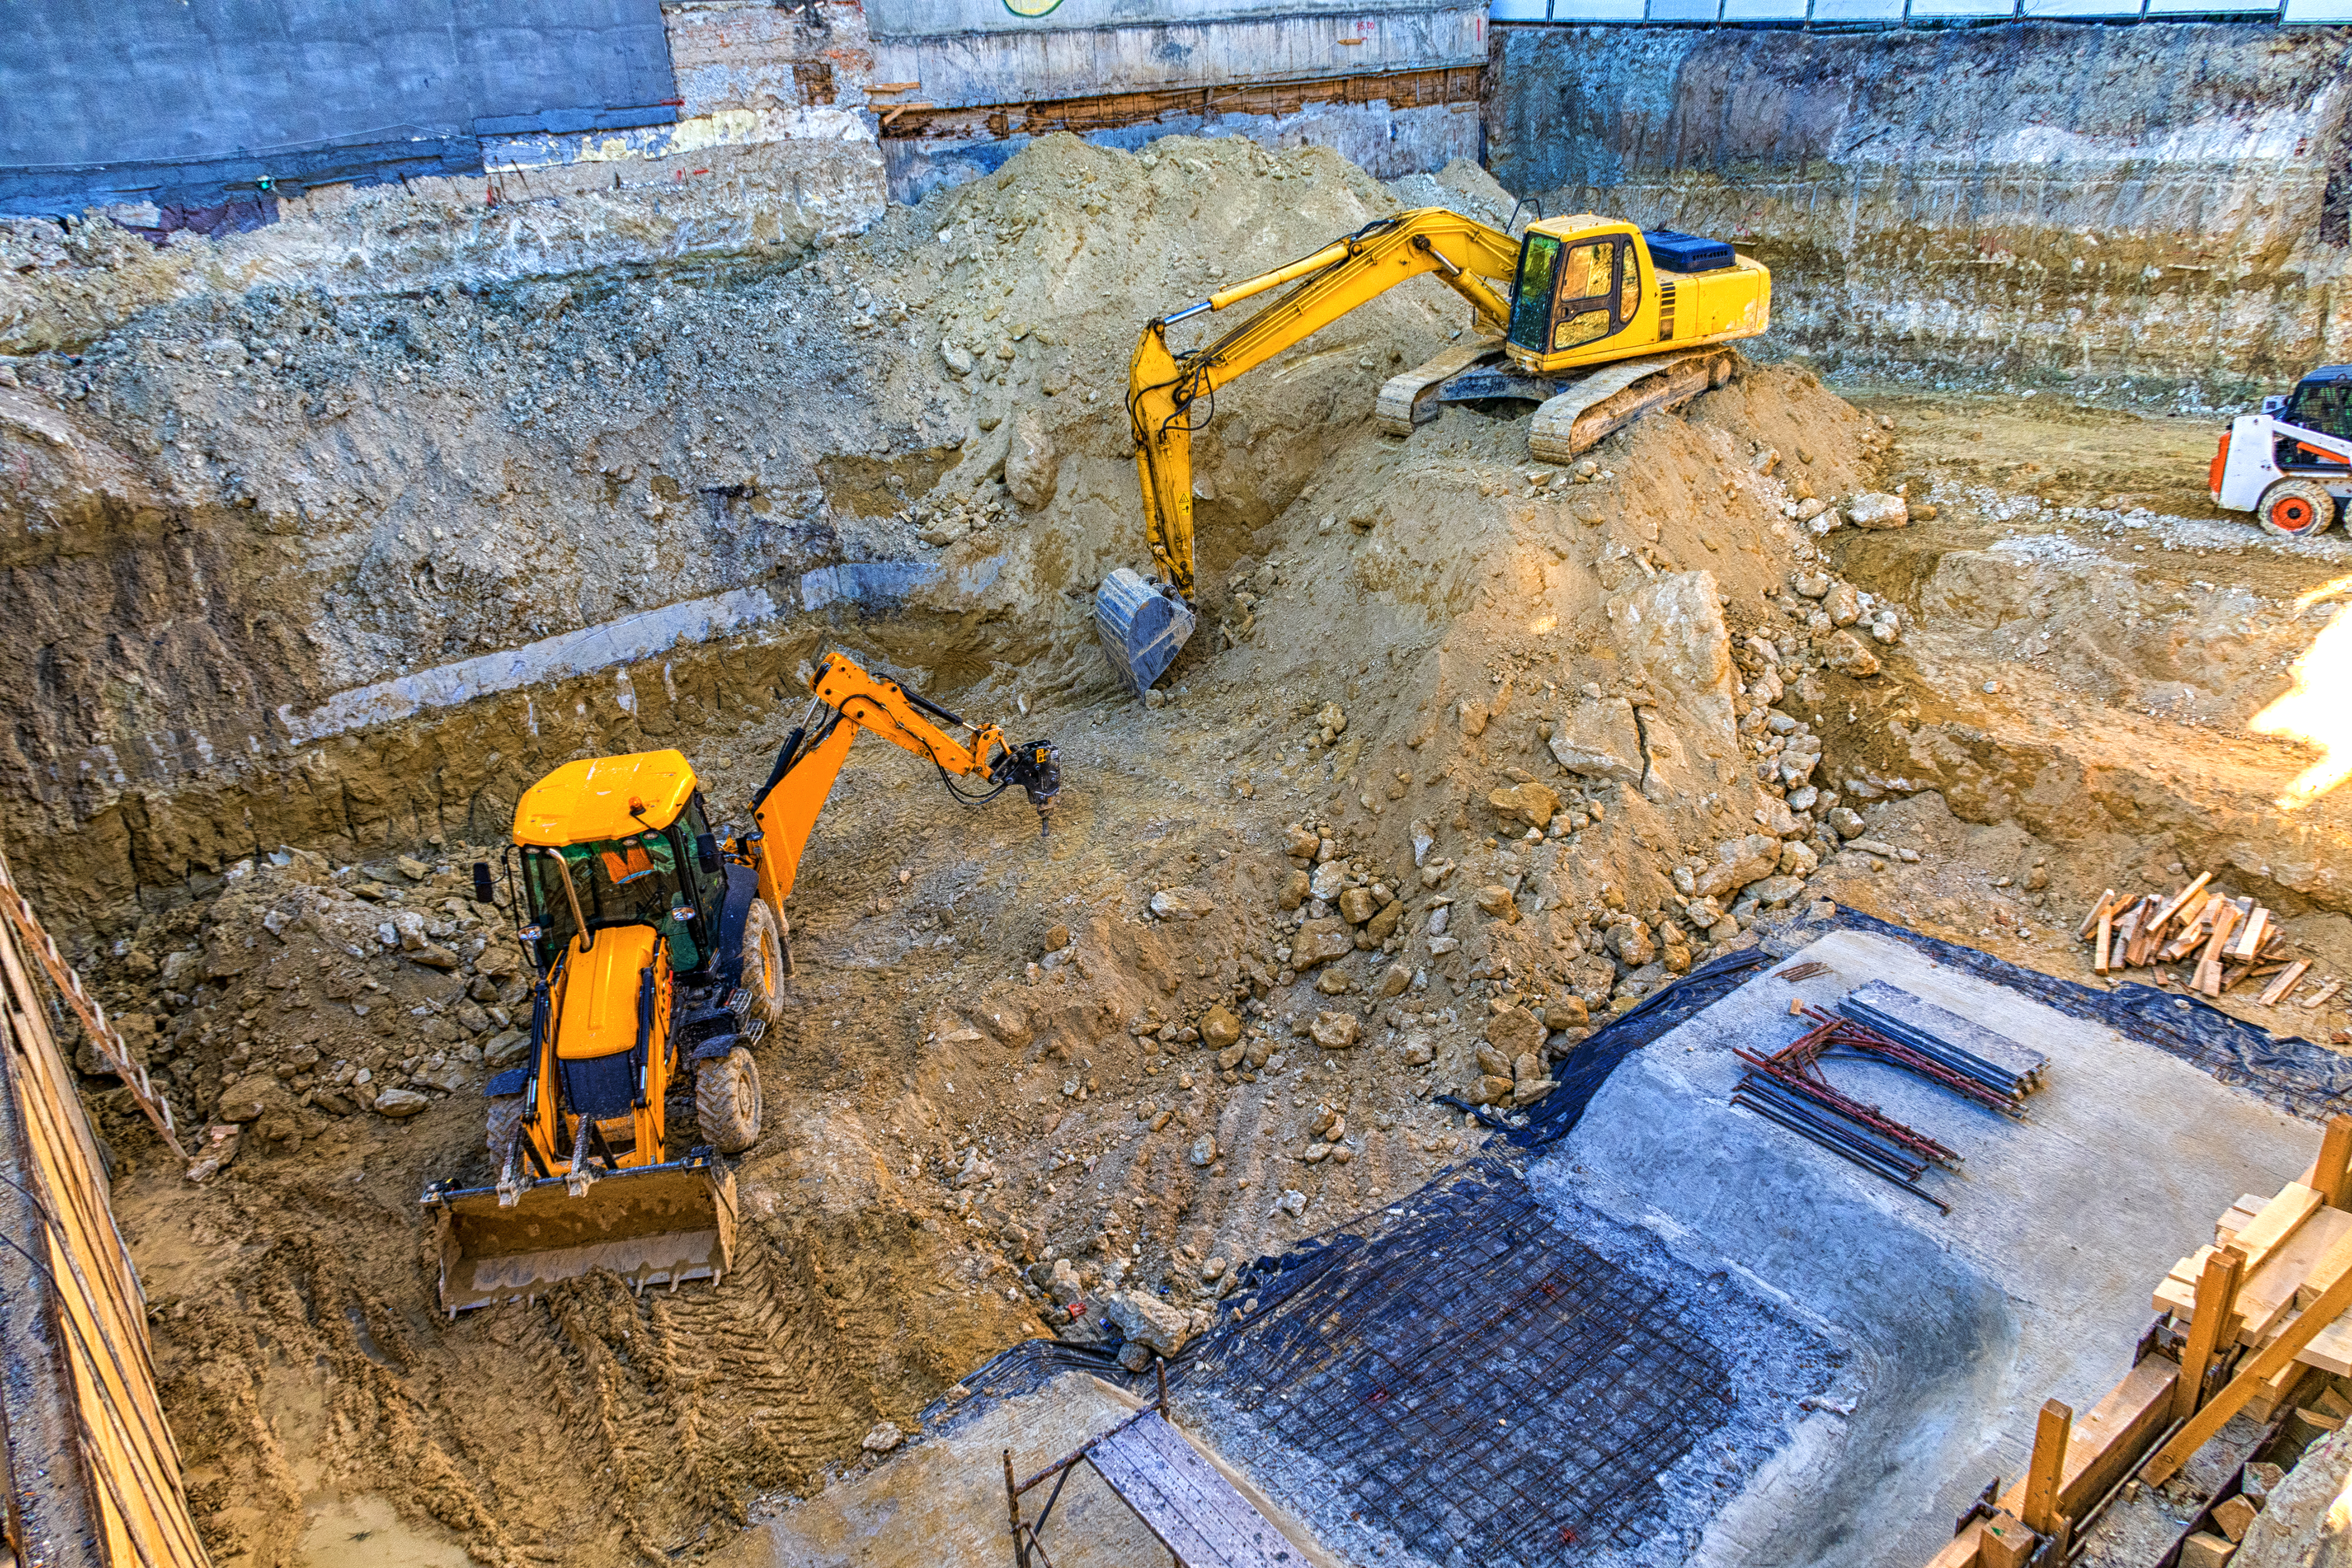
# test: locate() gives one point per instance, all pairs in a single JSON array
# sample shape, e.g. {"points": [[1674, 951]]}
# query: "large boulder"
{"points": [[1875, 509], [1032, 469], [1147, 1321], [1320, 941], [1598, 740], [1531, 804]]}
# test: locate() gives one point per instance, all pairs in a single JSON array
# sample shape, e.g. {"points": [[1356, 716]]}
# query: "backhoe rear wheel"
{"points": [[763, 964], [505, 1121], [2296, 509], [727, 1101]]}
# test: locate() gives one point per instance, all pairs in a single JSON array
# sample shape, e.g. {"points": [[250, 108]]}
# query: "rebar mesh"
{"points": [[1481, 1382]]}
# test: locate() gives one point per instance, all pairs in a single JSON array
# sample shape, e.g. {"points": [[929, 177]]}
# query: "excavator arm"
{"points": [[846, 699], [1163, 387]]}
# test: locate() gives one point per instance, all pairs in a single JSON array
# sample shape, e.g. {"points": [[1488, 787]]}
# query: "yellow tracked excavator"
{"points": [[1592, 320], [660, 953]]}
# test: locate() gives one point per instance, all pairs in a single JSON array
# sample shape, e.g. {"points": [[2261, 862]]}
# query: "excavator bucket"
{"points": [[1142, 625], [661, 1225]]}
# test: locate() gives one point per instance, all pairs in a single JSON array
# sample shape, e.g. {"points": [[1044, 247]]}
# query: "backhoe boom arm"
{"points": [[847, 700], [1163, 387]]}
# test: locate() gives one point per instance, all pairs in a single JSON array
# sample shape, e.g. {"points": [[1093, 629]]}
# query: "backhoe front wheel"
{"points": [[2296, 509], [727, 1101], [764, 968]]}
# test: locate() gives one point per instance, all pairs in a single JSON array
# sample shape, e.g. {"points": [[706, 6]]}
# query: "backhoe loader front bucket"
{"points": [[661, 1225], [1143, 624]]}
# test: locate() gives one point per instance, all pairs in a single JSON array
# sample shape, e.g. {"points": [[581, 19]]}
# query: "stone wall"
{"points": [[2036, 199]]}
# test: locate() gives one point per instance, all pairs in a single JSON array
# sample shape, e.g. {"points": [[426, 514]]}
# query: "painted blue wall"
{"points": [[192, 102]]}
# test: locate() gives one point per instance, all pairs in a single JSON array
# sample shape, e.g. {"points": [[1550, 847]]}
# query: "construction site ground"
{"points": [[996, 1055]]}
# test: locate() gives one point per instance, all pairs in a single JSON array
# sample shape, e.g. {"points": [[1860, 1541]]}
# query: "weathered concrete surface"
{"points": [[2161, 200], [2036, 1285], [940, 1503]]}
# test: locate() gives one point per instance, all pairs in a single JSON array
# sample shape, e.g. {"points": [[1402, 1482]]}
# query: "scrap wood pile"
{"points": [[2217, 941], [1883, 1022], [2289, 1251]]}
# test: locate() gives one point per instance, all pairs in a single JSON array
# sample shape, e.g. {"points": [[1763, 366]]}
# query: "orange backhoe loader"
{"points": [[661, 953]]}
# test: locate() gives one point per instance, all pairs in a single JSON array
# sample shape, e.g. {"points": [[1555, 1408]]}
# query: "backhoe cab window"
{"points": [[2322, 405], [618, 882]]}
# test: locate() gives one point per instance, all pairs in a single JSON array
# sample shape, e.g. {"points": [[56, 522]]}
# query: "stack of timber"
{"points": [[2256, 1323], [2200, 939]]}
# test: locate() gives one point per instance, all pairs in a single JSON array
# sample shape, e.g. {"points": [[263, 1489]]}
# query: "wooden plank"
{"points": [[2269, 1293], [2322, 993], [2217, 1294], [2209, 966], [2279, 1391], [2249, 942], [2265, 1366], [2289, 978], [2045, 1471], [2334, 1164], [2100, 954], [2104, 909], [1965, 1549], [2180, 899], [2330, 1267], [2109, 1441], [1185, 1501]]}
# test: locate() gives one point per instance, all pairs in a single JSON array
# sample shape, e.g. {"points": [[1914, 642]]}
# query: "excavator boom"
{"points": [[1143, 624]]}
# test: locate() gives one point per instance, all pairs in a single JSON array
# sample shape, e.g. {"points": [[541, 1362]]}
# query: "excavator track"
{"points": [[1411, 399], [1612, 397]]}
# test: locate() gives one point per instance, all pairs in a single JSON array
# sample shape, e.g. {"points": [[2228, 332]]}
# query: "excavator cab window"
{"points": [[1569, 294]]}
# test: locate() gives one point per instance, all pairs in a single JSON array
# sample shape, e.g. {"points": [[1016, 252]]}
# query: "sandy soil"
{"points": [[1468, 753]]}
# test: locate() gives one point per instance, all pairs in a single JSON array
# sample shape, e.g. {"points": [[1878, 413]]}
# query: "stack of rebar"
{"points": [[1789, 1087], [1951, 1042]]}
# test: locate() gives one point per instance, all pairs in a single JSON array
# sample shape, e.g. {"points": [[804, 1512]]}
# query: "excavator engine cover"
{"points": [[1143, 626], [655, 1226]]}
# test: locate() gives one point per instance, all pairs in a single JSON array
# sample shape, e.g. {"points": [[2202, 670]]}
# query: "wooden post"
{"points": [[2335, 1157], [1013, 1505], [2217, 1303], [2047, 1469], [2250, 1379]]}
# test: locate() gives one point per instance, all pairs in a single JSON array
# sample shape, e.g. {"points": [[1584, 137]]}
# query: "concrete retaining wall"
{"points": [[2166, 201]]}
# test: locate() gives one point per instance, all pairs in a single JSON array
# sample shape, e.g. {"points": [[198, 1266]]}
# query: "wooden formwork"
{"points": [[93, 1474]]}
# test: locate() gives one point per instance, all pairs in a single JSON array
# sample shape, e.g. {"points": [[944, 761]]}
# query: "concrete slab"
{"points": [[940, 1502], [2036, 1285]]}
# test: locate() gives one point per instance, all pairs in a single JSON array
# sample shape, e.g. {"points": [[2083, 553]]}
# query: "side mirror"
{"points": [[485, 892], [705, 852]]}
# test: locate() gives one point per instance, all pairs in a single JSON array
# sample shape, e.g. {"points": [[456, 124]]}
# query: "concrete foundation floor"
{"points": [[940, 1502], [2036, 1285]]}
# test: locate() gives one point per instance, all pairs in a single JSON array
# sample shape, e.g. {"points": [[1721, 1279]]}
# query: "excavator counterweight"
{"points": [[1591, 320]]}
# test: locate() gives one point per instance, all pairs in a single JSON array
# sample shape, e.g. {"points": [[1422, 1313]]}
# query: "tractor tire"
{"points": [[727, 1101], [764, 969], [505, 1118], [2296, 509]]}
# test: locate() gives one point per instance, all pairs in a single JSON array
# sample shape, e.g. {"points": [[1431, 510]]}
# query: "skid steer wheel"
{"points": [[2296, 509], [727, 1101], [763, 964]]}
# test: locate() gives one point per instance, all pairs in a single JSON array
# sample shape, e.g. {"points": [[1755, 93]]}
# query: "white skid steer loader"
{"points": [[2291, 464]]}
